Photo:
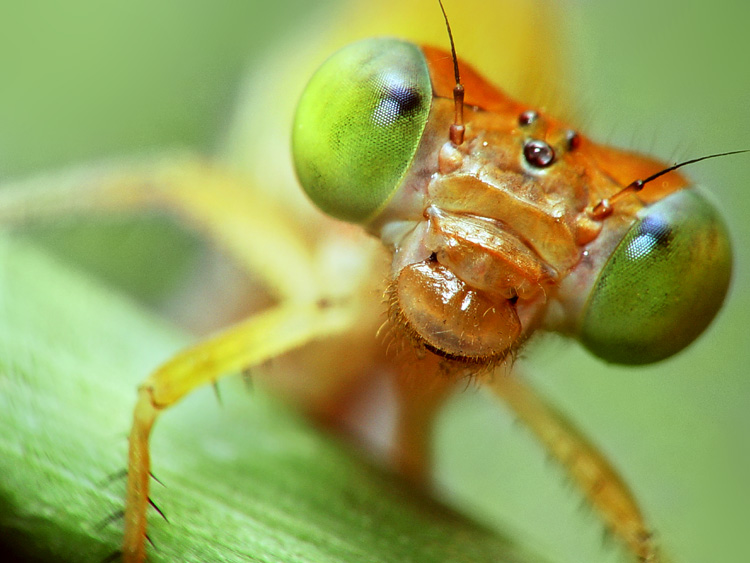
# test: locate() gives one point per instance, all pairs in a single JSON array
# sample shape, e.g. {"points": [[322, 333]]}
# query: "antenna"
{"points": [[604, 207], [457, 129]]}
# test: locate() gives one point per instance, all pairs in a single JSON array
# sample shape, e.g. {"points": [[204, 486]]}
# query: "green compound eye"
{"points": [[663, 284], [358, 125]]}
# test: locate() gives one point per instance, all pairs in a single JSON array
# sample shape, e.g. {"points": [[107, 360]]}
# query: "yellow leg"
{"points": [[258, 339], [259, 234], [222, 207], [588, 468]]}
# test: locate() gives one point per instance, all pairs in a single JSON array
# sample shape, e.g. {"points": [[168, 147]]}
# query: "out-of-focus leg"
{"points": [[586, 465], [421, 390], [251, 228]]}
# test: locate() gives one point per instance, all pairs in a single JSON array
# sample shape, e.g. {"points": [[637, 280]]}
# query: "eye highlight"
{"points": [[573, 140], [538, 154], [527, 118], [398, 101], [653, 237], [663, 284]]}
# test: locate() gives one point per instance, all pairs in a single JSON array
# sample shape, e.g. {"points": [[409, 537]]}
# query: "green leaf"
{"points": [[244, 479]]}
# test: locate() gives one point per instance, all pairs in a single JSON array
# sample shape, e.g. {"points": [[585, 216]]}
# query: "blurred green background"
{"points": [[84, 80]]}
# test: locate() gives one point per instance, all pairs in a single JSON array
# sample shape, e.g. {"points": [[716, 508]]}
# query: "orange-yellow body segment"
{"points": [[491, 215]]}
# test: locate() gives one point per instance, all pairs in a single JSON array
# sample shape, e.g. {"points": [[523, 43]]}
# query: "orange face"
{"points": [[508, 231]]}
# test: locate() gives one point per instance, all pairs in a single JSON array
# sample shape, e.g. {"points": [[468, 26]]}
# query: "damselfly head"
{"points": [[513, 221]]}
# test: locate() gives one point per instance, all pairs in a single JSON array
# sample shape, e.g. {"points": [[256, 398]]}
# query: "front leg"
{"points": [[254, 341]]}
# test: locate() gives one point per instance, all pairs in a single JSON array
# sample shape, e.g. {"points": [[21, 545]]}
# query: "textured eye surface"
{"points": [[358, 125], [663, 284]]}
